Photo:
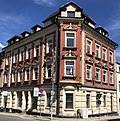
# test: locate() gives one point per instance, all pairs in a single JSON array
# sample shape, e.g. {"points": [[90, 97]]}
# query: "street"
{"points": [[13, 118]]}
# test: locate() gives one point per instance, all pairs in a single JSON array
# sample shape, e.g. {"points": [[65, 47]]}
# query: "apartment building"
{"points": [[69, 58], [118, 84]]}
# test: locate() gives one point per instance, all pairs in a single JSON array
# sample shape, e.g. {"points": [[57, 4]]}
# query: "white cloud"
{"points": [[1, 45], [10, 20], [48, 3]]}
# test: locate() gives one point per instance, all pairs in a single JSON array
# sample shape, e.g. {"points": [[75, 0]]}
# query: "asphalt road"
{"points": [[15, 118]]}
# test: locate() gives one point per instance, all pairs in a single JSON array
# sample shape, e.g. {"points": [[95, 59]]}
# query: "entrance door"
{"points": [[26, 99], [111, 99], [5, 103]]}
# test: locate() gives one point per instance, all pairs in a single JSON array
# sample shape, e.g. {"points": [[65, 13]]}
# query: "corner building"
{"points": [[69, 56]]}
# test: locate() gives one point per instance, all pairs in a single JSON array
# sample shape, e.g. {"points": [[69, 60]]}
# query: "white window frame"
{"points": [[72, 71], [88, 46], [99, 73], [15, 57], [111, 57], [14, 76], [6, 76], [26, 74], [68, 32], [48, 69], [49, 44], [90, 72], [104, 54], [111, 77], [104, 75], [21, 53], [37, 48], [98, 51], [19, 80], [34, 73]]}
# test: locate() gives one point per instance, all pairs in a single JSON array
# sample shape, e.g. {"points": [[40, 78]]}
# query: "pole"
{"points": [[52, 80]]}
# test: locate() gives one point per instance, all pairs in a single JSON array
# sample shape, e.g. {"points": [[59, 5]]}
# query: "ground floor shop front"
{"points": [[68, 100]]}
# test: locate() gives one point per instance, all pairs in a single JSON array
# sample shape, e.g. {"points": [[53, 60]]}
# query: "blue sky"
{"points": [[17, 16]]}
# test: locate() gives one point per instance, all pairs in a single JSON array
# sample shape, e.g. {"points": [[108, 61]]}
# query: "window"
{"points": [[97, 51], [104, 76], [15, 57], [88, 72], [69, 100], [37, 51], [19, 99], [36, 73], [7, 60], [70, 14], [111, 57], [97, 74], [70, 38], [29, 53], [6, 77], [104, 100], [48, 72], [89, 48], [104, 54], [88, 100], [111, 78], [22, 55], [27, 74], [48, 99], [49, 46], [13, 76], [20, 75], [69, 68]]}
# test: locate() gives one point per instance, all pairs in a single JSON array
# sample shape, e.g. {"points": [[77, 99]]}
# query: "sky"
{"points": [[17, 16]]}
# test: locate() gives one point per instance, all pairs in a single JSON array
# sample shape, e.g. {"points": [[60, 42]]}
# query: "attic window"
{"points": [[70, 14]]}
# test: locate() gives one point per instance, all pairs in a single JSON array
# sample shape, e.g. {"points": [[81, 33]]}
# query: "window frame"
{"points": [[70, 14], [66, 101], [73, 69], [90, 72], [97, 51], [104, 100], [99, 73], [104, 76], [111, 77], [34, 73], [111, 57], [88, 46], [66, 39], [104, 54], [88, 100], [48, 68]]}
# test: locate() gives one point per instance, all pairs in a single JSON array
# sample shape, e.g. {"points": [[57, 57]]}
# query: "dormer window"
{"points": [[70, 14]]}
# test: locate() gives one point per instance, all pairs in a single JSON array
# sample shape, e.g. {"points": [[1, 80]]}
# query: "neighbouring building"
{"points": [[69, 56], [118, 84]]}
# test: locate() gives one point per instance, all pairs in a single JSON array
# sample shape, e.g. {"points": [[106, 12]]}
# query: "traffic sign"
{"points": [[41, 90]]}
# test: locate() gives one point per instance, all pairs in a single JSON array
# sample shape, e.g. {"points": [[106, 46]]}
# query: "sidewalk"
{"points": [[47, 118]]}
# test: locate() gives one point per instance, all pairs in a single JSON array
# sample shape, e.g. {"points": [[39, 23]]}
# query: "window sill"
{"points": [[69, 77], [105, 83], [71, 109], [70, 48], [112, 84], [98, 58], [89, 54], [111, 63], [89, 80], [98, 81], [104, 61]]}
